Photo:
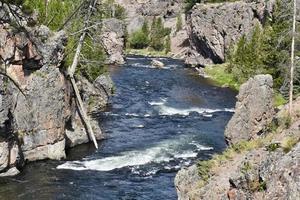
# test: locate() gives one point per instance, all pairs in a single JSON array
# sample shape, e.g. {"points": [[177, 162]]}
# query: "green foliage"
{"points": [[246, 60], [257, 185], [204, 168], [279, 99], [139, 40], [246, 167], [145, 28], [91, 65], [273, 147], [168, 44], [157, 37], [179, 22], [158, 34], [56, 12], [285, 120], [266, 51], [220, 75]]}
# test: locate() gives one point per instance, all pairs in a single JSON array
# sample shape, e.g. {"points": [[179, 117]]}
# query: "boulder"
{"points": [[112, 39], [254, 110], [157, 64]]}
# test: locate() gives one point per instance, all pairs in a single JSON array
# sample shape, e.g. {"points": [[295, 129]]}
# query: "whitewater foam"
{"points": [[163, 152], [167, 110]]}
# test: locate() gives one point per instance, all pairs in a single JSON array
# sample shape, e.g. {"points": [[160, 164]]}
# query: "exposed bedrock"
{"points": [[43, 121], [214, 28]]}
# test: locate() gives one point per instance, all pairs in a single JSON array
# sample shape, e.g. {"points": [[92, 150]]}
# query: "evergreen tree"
{"points": [[168, 44]]}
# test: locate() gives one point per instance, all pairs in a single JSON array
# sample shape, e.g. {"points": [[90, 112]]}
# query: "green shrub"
{"points": [[158, 34], [204, 168], [272, 147], [92, 63], [138, 40]]}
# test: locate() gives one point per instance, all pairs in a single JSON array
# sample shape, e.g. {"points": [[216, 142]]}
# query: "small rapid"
{"points": [[159, 121]]}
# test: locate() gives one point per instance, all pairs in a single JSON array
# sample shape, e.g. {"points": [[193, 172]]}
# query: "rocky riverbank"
{"points": [[263, 154], [39, 120]]}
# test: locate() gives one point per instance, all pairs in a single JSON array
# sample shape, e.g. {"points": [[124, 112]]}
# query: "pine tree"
{"points": [[168, 44]]}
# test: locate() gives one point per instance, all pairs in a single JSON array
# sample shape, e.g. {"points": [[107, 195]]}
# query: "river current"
{"points": [[159, 120]]}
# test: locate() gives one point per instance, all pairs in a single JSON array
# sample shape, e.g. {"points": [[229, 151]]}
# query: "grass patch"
{"points": [[221, 77], [279, 100], [289, 142]]}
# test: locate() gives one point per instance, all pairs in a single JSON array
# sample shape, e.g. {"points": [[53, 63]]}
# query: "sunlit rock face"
{"points": [[214, 28]]}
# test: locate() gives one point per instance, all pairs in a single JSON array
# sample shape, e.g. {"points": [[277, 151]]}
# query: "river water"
{"points": [[159, 121]]}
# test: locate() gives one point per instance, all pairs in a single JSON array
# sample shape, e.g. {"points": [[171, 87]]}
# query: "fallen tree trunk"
{"points": [[72, 69]]}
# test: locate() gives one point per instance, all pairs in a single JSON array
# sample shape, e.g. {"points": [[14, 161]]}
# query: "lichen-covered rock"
{"points": [[112, 39], [254, 110], [213, 28]]}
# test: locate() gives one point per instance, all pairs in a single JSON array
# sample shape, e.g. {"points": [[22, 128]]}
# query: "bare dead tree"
{"points": [[292, 60], [72, 69]]}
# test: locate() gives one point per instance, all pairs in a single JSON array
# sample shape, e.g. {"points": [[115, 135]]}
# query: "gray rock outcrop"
{"points": [[37, 125], [112, 39], [254, 110], [213, 28]]}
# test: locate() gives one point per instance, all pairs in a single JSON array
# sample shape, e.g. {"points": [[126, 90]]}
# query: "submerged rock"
{"points": [[254, 110]]}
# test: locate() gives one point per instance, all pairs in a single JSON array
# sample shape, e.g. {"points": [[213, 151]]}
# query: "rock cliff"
{"points": [[43, 121], [264, 168], [213, 28]]}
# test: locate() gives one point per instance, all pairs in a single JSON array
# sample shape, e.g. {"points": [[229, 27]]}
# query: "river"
{"points": [[159, 121]]}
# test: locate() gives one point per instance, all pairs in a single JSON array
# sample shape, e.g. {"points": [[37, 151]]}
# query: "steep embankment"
{"points": [[262, 161], [43, 121], [214, 28]]}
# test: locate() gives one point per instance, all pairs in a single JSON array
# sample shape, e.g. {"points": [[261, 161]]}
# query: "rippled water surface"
{"points": [[160, 120]]}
